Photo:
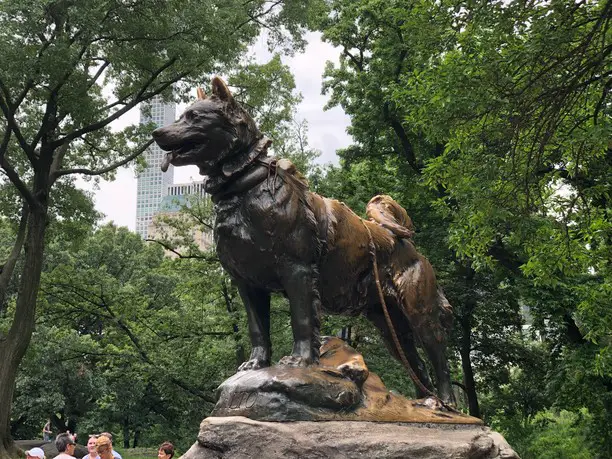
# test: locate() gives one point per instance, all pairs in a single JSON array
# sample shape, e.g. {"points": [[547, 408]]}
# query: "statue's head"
{"points": [[209, 132]]}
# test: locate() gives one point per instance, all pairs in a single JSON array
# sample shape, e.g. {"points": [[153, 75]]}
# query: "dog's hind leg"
{"points": [[257, 304], [301, 286], [426, 313], [435, 349], [434, 341], [406, 339]]}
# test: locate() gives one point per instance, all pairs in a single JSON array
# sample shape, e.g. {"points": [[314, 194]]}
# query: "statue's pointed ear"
{"points": [[201, 94], [220, 90]]}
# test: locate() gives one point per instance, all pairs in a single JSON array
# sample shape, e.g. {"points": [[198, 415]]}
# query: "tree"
{"points": [[502, 110], [139, 342], [57, 56], [520, 96], [293, 145], [378, 40]]}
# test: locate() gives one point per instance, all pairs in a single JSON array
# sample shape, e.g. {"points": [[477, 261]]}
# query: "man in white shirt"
{"points": [[65, 444]]}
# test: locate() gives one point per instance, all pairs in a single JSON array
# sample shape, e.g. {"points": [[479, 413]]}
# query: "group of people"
{"points": [[99, 446], [99, 442]]}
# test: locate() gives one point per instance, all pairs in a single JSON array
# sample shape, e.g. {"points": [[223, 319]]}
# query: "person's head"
{"points": [[104, 447], [35, 453], [166, 450], [108, 435], [91, 446], [65, 443]]}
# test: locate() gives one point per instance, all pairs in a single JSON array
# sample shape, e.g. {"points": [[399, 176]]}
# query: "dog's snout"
{"points": [[163, 139], [157, 133]]}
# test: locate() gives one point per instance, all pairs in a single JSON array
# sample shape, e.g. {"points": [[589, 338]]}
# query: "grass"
{"points": [[138, 453]]}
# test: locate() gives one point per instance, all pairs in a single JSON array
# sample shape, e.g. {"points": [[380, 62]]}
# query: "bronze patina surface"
{"points": [[340, 388], [273, 235]]}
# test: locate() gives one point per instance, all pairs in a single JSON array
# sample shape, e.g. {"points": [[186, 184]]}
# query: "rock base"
{"points": [[240, 438], [340, 388]]}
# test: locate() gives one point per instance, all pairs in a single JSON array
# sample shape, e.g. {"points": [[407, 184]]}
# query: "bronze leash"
{"points": [[400, 351]]}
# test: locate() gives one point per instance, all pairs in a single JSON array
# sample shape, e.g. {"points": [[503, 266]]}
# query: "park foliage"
{"points": [[488, 121]]}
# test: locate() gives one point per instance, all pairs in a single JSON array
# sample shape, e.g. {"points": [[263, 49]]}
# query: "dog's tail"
{"points": [[385, 211], [446, 312]]}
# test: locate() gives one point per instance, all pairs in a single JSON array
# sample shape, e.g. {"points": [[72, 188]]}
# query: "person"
{"points": [[35, 453], [104, 447], [165, 451], [47, 431], [110, 437], [91, 447], [65, 445]]}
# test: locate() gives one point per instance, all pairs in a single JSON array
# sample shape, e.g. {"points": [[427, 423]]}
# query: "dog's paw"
{"points": [[253, 364], [295, 361], [355, 372]]}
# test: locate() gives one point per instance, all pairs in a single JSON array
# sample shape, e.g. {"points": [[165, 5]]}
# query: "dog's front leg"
{"points": [[257, 304], [301, 286]]}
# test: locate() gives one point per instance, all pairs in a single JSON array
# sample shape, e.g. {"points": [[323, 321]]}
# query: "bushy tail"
{"points": [[446, 312], [383, 209]]}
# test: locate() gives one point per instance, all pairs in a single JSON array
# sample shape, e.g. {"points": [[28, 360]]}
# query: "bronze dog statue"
{"points": [[273, 235]]}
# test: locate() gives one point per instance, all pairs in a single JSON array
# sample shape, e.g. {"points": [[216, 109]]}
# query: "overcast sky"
{"points": [[327, 129]]}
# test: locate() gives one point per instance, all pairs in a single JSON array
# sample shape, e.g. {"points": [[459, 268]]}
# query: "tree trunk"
{"points": [[7, 270], [14, 345], [136, 438], [240, 354], [7, 383], [345, 334], [466, 365], [126, 432], [71, 425], [58, 422]]}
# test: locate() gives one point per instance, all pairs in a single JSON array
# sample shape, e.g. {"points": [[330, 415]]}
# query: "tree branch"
{"points": [[357, 63], [8, 110], [16, 180], [46, 125], [29, 84], [57, 161], [5, 141], [49, 121], [505, 258], [7, 269], [101, 70], [407, 149], [139, 151], [255, 17], [145, 357], [180, 255], [141, 96]]}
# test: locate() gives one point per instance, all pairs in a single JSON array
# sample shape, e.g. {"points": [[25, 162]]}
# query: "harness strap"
{"points": [[398, 346]]}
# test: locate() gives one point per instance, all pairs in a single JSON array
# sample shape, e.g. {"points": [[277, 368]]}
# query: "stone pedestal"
{"points": [[337, 409], [241, 438]]}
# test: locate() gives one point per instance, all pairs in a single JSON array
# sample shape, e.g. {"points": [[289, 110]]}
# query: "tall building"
{"points": [[152, 182], [177, 197], [177, 192]]}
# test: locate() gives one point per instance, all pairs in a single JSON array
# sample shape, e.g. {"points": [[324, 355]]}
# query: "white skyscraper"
{"points": [[152, 182], [177, 197]]}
